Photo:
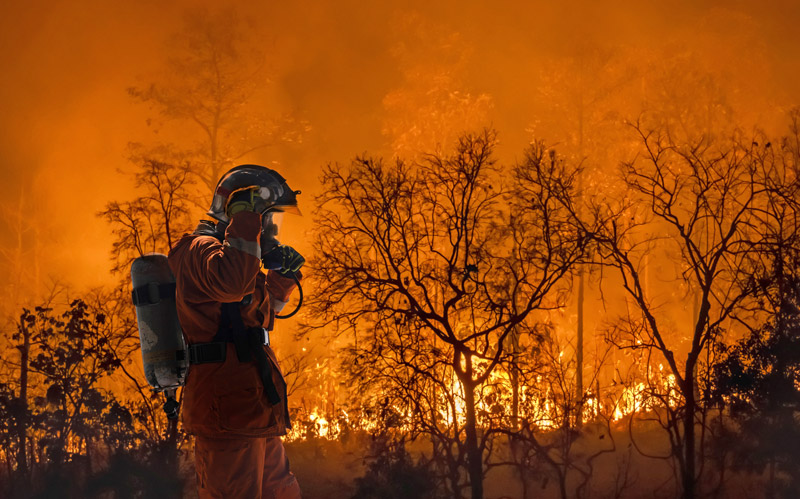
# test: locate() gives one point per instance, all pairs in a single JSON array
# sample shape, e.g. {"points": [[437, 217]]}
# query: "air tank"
{"points": [[163, 346]]}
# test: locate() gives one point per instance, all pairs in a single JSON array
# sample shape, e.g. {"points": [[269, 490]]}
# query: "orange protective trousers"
{"points": [[243, 468]]}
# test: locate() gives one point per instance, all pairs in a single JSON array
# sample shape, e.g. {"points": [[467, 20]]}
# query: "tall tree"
{"points": [[583, 96], [22, 258], [211, 100], [703, 198], [432, 267], [757, 378], [151, 222]]}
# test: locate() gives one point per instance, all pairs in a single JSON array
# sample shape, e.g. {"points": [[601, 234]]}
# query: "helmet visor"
{"points": [[289, 208]]}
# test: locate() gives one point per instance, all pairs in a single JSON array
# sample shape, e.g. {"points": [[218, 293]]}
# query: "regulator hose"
{"points": [[273, 261], [299, 300]]}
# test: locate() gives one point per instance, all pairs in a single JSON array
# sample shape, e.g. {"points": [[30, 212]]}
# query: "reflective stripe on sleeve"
{"points": [[249, 247]]}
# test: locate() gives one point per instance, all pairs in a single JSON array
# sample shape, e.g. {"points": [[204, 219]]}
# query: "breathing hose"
{"points": [[299, 300]]}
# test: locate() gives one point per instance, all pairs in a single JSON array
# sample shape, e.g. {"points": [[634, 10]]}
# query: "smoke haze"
{"points": [[359, 75]]}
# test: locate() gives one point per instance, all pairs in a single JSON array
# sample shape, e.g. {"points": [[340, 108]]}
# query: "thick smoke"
{"points": [[357, 74]]}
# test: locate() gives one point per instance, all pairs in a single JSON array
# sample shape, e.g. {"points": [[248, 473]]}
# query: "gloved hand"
{"points": [[285, 259], [246, 200]]}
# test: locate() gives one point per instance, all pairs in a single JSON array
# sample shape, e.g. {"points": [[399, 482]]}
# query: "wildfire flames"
{"points": [[538, 407]]}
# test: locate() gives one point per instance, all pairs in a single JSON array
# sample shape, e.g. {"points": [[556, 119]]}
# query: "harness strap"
{"points": [[249, 345], [205, 353], [152, 293]]}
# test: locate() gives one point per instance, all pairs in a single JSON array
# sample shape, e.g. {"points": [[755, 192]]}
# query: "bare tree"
{"points": [[578, 94], [155, 219], [432, 267], [756, 379], [212, 89], [151, 222], [698, 202]]}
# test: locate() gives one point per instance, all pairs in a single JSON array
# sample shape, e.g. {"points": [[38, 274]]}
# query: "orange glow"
{"points": [[324, 82]]}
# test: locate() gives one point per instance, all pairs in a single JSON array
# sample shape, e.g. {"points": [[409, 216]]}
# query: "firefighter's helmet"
{"points": [[270, 186]]}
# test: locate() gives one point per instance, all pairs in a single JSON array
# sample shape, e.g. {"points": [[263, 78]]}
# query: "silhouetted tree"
{"points": [[757, 378], [151, 222], [432, 266], [583, 96], [56, 406], [156, 218], [704, 199]]}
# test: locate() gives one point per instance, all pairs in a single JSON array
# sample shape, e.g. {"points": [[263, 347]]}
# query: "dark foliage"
{"points": [[59, 420], [759, 381], [139, 474], [393, 474]]}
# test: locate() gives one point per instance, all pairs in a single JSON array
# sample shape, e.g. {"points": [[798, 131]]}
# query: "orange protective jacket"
{"points": [[227, 399]]}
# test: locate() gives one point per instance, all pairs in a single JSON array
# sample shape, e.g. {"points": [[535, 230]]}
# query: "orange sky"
{"points": [[67, 118]]}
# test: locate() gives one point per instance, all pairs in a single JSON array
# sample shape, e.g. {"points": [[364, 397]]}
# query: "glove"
{"points": [[285, 259], [245, 200]]}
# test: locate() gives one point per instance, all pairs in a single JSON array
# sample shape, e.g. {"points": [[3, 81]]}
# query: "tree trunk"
{"points": [[512, 443], [514, 381], [771, 486], [22, 422], [689, 435], [581, 277], [454, 480], [579, 359], [562, 484], [474, 458]]}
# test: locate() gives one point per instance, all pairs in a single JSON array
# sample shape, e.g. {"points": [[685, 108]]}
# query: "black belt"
{"points": [[216, 351]]}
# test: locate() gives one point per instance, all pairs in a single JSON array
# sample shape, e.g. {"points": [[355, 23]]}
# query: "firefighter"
{"points": [[234, 401]]}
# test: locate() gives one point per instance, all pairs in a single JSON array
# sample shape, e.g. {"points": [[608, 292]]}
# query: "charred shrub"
{"points": [[393, 474]]}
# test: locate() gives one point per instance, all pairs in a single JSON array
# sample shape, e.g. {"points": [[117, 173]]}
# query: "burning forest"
{"points": [[528, 251]]}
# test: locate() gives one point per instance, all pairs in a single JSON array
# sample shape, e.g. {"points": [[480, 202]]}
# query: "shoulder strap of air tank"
{"points": [[231, 319], [209, 228]]}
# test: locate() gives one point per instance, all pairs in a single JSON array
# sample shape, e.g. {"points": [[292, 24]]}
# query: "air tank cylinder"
{"points": [[164, 353]]}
